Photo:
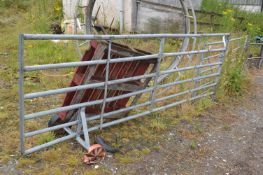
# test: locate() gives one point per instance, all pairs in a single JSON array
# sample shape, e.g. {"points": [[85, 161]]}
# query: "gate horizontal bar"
{"points": [[148, 102], [119, 60], [235, 39], [214, 43], [45, 145], [209, 69], [87, 63], [256, 44], [104, 125], [41, 131], [80, 105], [112, 37], [212, 56], [148, 112], [96, 85], [30, 134]]}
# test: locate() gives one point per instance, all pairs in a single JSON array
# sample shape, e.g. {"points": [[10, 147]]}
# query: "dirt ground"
{"points": [[226, 139], [230, 141]]}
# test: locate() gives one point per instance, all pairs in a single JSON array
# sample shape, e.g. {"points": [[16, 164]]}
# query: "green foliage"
{"points": [[234, 20], [254, 24], [44, 138], [215, 6], [16, 4], [40, 14], [43, 13], [234, 78], [193, 145], [158, 125], [228, 21], [203, 104]]}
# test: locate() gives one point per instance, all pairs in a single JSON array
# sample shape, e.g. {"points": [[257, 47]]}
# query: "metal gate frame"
{"points": [[260, 57], [83, 120]]}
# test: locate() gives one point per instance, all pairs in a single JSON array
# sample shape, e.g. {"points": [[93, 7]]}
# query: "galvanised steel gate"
{"points": [[157, 87]]}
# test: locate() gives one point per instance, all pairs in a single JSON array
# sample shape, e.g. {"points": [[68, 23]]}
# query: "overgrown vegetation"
{"points": [[234, 20], [238, 23]]}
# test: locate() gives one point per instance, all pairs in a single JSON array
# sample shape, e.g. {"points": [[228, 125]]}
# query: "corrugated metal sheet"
{"points": [[244, 2]]}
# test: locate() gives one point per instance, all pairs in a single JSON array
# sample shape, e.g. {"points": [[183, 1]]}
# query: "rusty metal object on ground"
{"points": [[94, 155]]}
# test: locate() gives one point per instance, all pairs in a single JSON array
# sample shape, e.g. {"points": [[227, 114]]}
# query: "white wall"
{"points": [[110, 9], [155, 19], [250, 8], [148, 15], [68, 8]]}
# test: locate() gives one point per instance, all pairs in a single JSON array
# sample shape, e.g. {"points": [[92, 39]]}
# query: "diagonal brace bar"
{"points": [[82, 128]]}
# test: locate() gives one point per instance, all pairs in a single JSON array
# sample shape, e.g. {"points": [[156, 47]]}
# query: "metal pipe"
{"points": [[214, 43], [261, 9], [87, 63], [209, 69], [256, 44], [45, 145], [72, 135], [157, 72], [112, 82], [235, 39], [53, 128], [78, 139], [115, 37], [88, 16], [30, 134], [106, 82], [21, 92], [222, 59], [148, 112], [119, 60], [121, 16], [212, 56], [80, 105]]}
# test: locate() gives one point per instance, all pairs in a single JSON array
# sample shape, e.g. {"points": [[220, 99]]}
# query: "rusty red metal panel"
{"points": [[89, 74]]}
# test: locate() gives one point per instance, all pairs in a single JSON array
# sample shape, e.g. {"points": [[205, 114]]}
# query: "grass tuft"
{"points": [[44, 138]]}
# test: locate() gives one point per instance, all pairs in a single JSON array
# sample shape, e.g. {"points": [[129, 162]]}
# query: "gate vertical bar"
{"points": [[157, 72], [106, 83], [197, 71], [261, 55], [222, 60], [21, 92]]}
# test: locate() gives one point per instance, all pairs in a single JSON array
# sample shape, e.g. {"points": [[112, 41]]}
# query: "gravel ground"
{"points": [[230, 143]]}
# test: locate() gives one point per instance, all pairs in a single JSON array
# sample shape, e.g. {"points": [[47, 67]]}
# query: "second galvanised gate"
{"points": [[114, 83]]}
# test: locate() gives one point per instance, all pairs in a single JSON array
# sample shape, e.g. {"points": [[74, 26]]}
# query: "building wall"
{"points": [[247, 5], [68, 8], [250, 8], [154, 18], [141, 16], [110, 11]]}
